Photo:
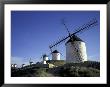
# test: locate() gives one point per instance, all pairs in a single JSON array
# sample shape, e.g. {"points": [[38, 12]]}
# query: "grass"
{"points": [[86, 69]]}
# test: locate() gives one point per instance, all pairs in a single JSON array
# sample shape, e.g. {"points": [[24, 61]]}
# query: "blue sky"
{"points": [[33, 31]]}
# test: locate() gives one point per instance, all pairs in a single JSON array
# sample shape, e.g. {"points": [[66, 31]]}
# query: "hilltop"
{"points": [[60, 69]]}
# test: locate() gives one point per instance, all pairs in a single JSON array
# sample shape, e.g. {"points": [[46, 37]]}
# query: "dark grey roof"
{"points": [[75, 38], [45, 55], [55, 51]]}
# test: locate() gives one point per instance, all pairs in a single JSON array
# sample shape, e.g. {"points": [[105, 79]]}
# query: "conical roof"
{"points": [[75, 38], [55, 51], [45, 55]]}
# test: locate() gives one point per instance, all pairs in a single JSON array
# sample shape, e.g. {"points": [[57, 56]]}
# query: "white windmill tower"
{"points": [[14, 65], [75, 47], [55, 55], [30, 62], [45, 58], [76, 50], [23, 65]]}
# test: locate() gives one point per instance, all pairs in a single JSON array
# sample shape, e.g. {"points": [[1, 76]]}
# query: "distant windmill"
{"points": [[13, 65], [75, 47], [30, 61], [56, 55], [44, 58], [23, 65]]}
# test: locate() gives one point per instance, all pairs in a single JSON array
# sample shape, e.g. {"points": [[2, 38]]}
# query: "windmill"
{"points": [[44, 58], [75, 47], [23, 65], [30, 62], [55, 54]]}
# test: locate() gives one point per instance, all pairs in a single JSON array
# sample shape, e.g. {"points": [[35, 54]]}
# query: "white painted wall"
{"points": [[15, 65], [55, 56], [44, 62], [12, 65], [45, 58], [76, 52], [23, 65], [31, 63]]}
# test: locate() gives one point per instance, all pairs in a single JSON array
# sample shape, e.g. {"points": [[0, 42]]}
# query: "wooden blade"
{"points": [[59, 41]]}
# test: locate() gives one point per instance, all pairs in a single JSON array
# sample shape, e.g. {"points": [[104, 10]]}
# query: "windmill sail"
{"points": [[83, 28]]}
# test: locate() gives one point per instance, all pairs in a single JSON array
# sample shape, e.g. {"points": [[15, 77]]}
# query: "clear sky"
{"points": [[33, 31]]}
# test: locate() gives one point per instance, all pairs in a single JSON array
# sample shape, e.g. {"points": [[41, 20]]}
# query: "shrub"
{"points": [[79, 72], [42, 72]]}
